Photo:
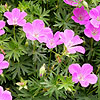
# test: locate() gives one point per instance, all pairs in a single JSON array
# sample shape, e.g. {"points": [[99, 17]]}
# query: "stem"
{"points": [[58, 3], [50, 57], [77, 86], [91, 43], [14, 33], [47, 4], [92, 91], [33, 47]]}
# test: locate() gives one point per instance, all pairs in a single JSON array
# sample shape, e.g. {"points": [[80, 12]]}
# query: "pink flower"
{"points": [[93, 32], [95, 16], [15, 17], [81, 16], [5, 95], [53, 40], [82, 74], [36, 30], [72, 2], [2, 24], [3, 64], [71, 41]]}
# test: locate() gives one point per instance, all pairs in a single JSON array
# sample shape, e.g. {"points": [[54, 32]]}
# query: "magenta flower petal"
{"points": [[93, 32], [2, 32], [45, 33], [76, 40], [8, 15], [72, 2], [92, 78], [76, 49], [53, 40], [4, 65], [1, 71], [95, 16], [38, 25], [2, 24], [28, 28], [82, 74], [21, 22], [22, 15], [95, 23], [84, 83], [87, 32], [94, 13], [74, 78], [30, 36], [70, 41], [81, 16], [15, 13], [67, 35], [1, 90], [74, 68], [5, 95], [1, 57], [15, 17], [86, 69], [34, 31]]}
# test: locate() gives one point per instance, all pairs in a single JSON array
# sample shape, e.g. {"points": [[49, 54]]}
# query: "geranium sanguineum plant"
{"points": [[71, 42], [2, 24], [3, 64], [82, 74], [81, 16], [92, 32], [72, 2], [36, 30], [5, 95], [95, 16], [53, 40], [15, 17]]}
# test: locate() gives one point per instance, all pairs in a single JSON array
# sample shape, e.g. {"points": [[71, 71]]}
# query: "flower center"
{"points": [[15, 21], [36, 35], [71, 1], [94, 32], [80, 18], [98, 18], [80, 77], [51, 42], [70, 43]]}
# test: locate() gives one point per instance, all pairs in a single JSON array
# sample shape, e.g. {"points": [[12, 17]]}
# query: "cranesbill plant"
{"points": [[82, 74]]}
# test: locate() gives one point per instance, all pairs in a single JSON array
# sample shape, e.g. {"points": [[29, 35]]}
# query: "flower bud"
{"points": [[26, 43], [85, 4], [42, 70]]}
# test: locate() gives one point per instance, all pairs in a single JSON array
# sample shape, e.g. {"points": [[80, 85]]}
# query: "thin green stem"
{"points": [[58, 3], [14, 33], [89, 89], [50, 57], [92, 91], [91, 43], [47, 4], [33, 47]]}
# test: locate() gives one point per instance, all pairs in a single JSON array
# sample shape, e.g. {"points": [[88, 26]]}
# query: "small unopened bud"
{"points": [[85, 4], [2, 51], [42, 70], [26, 43], [5, 6]]}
